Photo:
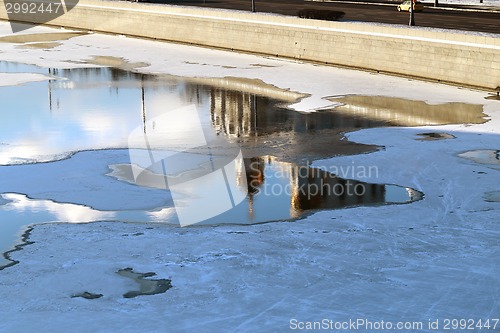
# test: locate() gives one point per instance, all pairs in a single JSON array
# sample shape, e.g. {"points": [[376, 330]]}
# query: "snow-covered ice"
{"points": [[433, 259], [9, 79]]}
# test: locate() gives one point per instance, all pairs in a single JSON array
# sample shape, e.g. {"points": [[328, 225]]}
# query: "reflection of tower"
{"points": [[143, 105], [50, 92], [294, 190], [254, 169], [233, 113], [255, 173], [52, 72]]}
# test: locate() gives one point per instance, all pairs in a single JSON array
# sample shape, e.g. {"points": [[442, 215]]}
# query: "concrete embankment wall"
{"points": [[451, 57]]}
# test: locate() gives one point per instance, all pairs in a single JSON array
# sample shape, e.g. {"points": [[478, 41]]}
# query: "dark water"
{"points": [[95, 108], [432, 136], [147, 286], [278, 190], [487, 157]]}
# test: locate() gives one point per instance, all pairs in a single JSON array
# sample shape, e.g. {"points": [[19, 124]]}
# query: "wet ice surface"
{"points": [[483, 156], [47, 40], [491, 159], [405, 112], [81, 180], [95, 108], [81, 189], [74, 190], [281, 191], [431, 136], [433, 259], [20, 211], [492, 196], [89, 108], [147, 286], [235, 277]]}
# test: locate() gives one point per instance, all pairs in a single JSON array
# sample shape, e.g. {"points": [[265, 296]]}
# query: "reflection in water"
{"points": [[95, 108], [117, 62], [483, 156], [241, 115], [288, 190], [54, 211], [18, 211], [403, 112], [492, 196], [276, 191], [489, 158], [281, 191], [49, 45], [432, 136], [495, 97], [40, 38]]}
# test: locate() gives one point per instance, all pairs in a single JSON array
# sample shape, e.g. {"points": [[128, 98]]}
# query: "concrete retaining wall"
{"points": [[456, 58]]}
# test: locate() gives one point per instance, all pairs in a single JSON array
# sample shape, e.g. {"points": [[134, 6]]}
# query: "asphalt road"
{"points": [[430, 17]]}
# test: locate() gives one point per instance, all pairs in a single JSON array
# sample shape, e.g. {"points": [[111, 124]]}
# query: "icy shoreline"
{"points": [[433, 259]]}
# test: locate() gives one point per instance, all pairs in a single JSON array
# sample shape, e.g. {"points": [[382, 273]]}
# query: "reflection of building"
{"points": [[317, 189], [241, 115], [254, 168], [232, 113], [403, 112], [307, 188]]}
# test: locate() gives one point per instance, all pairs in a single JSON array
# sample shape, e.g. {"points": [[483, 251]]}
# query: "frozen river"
{"points": [[102, 129], [80, 122]]}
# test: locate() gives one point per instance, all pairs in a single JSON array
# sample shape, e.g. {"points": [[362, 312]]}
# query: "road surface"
{"points": [[482, 21]]}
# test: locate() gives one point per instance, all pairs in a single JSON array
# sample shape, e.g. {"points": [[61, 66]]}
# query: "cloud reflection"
{"points": [[50, 211]]}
